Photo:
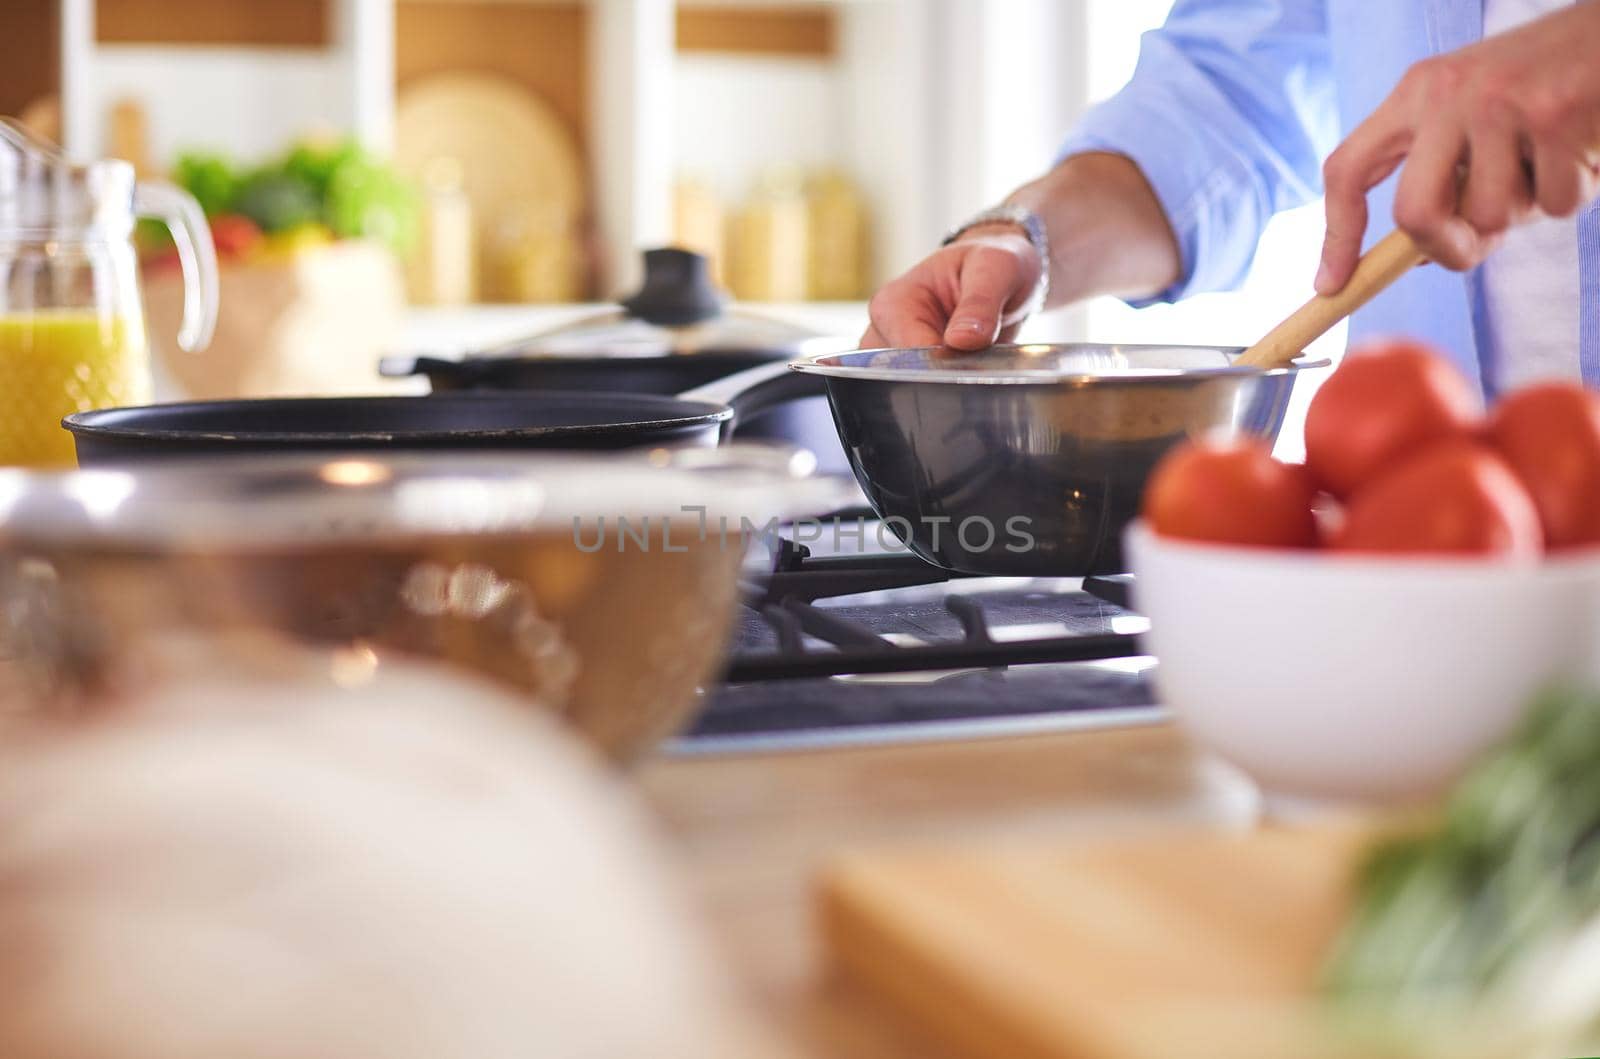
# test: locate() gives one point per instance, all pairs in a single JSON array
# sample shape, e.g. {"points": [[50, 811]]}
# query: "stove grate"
{"points": [[812, 641]]}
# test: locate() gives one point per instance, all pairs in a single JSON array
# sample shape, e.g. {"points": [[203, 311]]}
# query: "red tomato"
{"points": [[1231, 493], [1387, 400], [1455, 496], [1550, 435], [234, 235]]}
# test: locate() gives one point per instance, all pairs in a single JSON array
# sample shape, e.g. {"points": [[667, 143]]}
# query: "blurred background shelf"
{"points": [[750, 128], [694, 120]]}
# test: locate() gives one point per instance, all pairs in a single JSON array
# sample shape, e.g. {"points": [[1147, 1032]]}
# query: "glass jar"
{"points": [[72, 333]]}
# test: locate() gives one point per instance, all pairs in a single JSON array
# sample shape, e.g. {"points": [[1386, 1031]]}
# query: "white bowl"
{"points": [[1357, 678]]}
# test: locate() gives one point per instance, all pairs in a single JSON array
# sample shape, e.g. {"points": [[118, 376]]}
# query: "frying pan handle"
{"points": [[455, 373], [754, 390]]}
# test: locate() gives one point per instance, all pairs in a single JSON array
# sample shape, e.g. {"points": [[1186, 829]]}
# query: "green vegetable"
{"points": [[317, 163], [340, 184], [1466, 920], [210, 179], [365, 199], [277, 201]]}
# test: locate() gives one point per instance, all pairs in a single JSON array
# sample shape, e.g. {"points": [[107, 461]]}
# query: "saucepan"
{"points": [[1032, 459], [1023, 459]]}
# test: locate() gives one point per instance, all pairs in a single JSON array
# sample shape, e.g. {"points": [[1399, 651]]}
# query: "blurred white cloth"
{"points": [[407, 869]]}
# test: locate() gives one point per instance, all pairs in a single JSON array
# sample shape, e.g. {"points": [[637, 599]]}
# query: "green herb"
{"points": [[1478, 911]]}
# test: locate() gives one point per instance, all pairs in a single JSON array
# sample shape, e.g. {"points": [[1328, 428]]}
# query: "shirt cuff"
{"points": [[1194, 182]]}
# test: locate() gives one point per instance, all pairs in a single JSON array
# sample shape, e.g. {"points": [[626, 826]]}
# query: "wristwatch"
{"points": [[1032, 226]]}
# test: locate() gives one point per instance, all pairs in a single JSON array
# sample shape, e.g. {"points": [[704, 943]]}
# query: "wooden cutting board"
{"points": [[1185, 947]]}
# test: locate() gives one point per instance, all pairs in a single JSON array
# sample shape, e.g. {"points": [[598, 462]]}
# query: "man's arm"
{"points": [[1164, 189], [1097, 200]]}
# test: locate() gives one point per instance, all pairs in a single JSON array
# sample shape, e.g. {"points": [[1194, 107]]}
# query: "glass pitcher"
{"points": [[72, 334]]}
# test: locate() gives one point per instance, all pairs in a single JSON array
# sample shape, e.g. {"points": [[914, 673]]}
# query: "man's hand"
{"points": [[1107, 235], [1488, 135], [967, 295]]}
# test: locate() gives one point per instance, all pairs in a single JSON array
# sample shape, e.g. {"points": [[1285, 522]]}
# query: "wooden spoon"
{"points": [[1391, 258]]}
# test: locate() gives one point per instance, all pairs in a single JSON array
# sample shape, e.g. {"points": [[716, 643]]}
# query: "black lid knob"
{"points": [[677, 289]]}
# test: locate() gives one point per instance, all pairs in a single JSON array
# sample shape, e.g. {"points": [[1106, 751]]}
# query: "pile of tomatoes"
{"points": [[1399, 459]]}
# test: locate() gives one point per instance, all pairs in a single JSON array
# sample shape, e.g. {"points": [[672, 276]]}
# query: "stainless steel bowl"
{"points": [[600, 587], [1031, 459]]}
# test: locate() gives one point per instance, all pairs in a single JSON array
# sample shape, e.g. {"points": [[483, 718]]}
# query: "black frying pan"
{"points": [[548, 420], [805, 422]]}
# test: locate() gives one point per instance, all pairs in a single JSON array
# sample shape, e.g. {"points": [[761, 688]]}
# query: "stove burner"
{"points": [[831, 646]]}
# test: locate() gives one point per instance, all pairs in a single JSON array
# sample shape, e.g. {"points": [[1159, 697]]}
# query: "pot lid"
{"points": [[677, 311]]}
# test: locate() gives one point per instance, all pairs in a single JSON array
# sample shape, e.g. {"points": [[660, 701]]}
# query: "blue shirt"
{"points": [[1234, 105]]}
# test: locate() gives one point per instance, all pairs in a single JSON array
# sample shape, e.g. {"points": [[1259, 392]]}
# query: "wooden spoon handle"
{"points": [[1391, 258]]}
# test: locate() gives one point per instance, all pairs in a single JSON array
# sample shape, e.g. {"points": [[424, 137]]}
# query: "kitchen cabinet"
{"points": [[29, 30]]}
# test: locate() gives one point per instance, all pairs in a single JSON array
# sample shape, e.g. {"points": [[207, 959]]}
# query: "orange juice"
{"points": [[58, 361]]}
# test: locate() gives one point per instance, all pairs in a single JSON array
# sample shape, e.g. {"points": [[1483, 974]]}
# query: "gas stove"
{"points": [[848, 647]]}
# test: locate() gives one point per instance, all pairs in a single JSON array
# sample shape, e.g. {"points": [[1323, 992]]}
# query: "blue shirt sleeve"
{"points": [[1229, 113]]}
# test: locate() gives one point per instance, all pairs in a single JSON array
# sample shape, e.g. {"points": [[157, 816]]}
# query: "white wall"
{"points": [[1010, 76], [952, 103], [242, 102], [884, 47], [630, 130], [738, 117]]}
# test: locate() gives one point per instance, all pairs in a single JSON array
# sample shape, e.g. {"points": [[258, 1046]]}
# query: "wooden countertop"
{"points": [[753, 831]]}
